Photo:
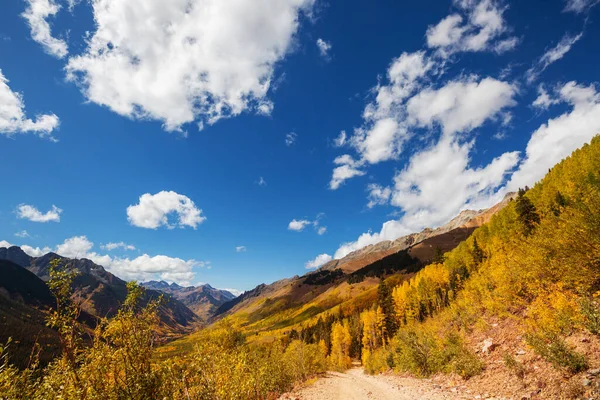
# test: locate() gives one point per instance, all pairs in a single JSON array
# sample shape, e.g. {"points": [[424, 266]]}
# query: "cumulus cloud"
{"points": [[298, 225], [560, 136], [23, 234], [25, 211], [318, 261], [12, 115], [117, 245], [181, 61], [4, 243], [36, 15], [321, 230], [290, 138], [552, 55], [240, 249], [324, 47], [378, 195], [461, 105], [478, 25], [153, 211]]}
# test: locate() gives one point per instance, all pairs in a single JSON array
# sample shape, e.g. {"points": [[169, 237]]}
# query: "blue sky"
{"points": [[205, 138]]}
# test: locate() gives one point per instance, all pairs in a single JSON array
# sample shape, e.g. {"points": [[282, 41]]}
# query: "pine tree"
{"points": [[527, 213], [438, 255], [386, 302], [477, 252]]}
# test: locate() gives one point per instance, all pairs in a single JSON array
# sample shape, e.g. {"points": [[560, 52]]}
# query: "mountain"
{"points": [[350, 281], [100, 292], [24, 302], [203, 300]]}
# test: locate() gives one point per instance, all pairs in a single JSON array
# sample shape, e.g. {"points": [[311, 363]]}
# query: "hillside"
{"points": [[350, 282], [203, 300], [24, 302], [100, 292]]}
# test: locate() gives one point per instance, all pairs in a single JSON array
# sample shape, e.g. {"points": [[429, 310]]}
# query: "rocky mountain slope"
{"points": [[203, 300], [349, 281], [100, 292]]}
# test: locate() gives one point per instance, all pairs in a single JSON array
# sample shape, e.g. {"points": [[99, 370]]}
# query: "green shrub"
{"points": [[554, 349], [590, 311], [513, 365], [381, 360]]}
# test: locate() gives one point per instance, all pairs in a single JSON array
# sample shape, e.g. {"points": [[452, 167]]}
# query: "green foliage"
{"points": [[591, 314], [513, 365], [554, 349]]}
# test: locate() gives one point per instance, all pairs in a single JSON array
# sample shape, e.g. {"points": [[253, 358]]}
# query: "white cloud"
{"points": [[23, 234], [290, 138], [340, 140], [552, 55], [580, 6], [461, 105], [181, 61], [298, 225], [25, 211], [240, 249], [378, 195], [347, 168], [4, 243], [261, 182], [235, 292], [324, 47], [75, 247], [544, 100], [318, 261], [36, 14], [481, 27], [114, 245], [35, 251], [422, 190], [152, 211], [12, 114], [561, 135]]}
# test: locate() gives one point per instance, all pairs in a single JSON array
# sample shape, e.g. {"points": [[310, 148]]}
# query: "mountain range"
{"points": [[203, 300]]}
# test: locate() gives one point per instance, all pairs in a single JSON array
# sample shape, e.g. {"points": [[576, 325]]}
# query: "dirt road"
{"points": [[356, 385]]}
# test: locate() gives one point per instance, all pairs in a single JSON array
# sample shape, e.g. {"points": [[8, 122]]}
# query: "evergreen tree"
{"points": [[438, 255], [477, 252], [527, 213], [386, 302]]}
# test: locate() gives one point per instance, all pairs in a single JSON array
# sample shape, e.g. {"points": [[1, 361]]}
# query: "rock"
{"points": [[585, 340], [594, 372], [586, 382], [487, 346], [520, 352]]}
